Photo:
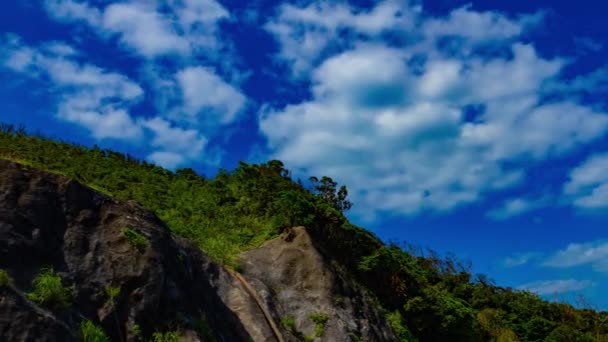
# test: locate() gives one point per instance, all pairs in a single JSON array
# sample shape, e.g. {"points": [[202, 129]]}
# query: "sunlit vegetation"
{"points": [[425, 297], [49, 290], [89, 332]]}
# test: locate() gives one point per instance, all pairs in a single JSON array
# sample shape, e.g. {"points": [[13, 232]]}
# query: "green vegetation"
{"points": [[89, 332], [112, 293], [428, 298], [320, 319], [169, 336], [136, 330], [5, 278], [49, 291], [289, 323], [135, 239]]}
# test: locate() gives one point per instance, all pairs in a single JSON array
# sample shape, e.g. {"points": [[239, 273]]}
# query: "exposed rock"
{"points": [[296, 281], [48, 220], [166, 284]]}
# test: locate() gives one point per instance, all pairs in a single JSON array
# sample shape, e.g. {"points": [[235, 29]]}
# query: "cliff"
{"points": [[123, 271]]}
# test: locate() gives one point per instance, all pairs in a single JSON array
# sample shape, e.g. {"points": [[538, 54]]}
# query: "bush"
{"points": [[320, 319], [111, 294], [289, 323], [169, 336], [49, 291], [5, 278], [91, 333], [135, 239]]}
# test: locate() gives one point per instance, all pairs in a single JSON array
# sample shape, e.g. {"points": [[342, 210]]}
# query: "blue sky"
{"points": [[478, 128]]}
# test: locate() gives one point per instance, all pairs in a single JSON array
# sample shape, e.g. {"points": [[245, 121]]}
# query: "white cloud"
{"points": [[180, 28], [579, 254], [177, 145], [516, 207], [556, 286], [89, 96], [141, 27], [166, 159], [70, 10], [100, 101], [520, 259], [588, 184], [388, 121], [203, 92], [477, 26], [304, 32]]}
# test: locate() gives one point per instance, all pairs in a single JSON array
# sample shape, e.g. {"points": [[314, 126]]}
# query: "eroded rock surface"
{"points": [[296, 282], [48, 220], [166, 285]]}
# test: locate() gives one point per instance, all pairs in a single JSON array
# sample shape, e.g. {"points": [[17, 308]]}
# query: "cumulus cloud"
{"points": [[187, 26], [101, 101], [204, 92], [94, 98], [390, 121], [177, 144], [556, 286], [305, 32], [588, 184]]}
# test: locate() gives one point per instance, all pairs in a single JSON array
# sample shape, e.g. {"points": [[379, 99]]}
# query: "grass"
{"points": [[112, 293], [49, 291], [289, 323], [92, 333], [168, 336], [135, 239], [5, 278], [320, 319]]}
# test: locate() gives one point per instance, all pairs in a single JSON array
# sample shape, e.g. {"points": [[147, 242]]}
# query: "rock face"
{"points": [[166, 283], [297, 282]]}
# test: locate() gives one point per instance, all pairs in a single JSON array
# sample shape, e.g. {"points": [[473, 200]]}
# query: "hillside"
{"points": [[243, 221]]}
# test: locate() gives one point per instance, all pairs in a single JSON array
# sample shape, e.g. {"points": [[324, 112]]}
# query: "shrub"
{"points": [[320, 319], [5, 278], [49, 291], [168, 336], [289, 323], [111, 294], [92, 333], [135, 239]]}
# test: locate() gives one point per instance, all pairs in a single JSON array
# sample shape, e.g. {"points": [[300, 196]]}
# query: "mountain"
{"points": [[96, 245]]}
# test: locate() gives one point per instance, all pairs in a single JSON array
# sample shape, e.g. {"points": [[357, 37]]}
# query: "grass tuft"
{"points": [[89, 332], [49, 291]]}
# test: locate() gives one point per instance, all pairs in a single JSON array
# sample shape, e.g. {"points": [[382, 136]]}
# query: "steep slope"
{"points": [[164, 284], [303, 287], [426, 297]]}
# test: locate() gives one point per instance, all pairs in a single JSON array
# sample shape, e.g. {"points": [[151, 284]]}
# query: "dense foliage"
{"points": [[426, 298]]}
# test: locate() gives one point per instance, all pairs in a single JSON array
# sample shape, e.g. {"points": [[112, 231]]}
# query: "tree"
{"points": [[326, 190]]}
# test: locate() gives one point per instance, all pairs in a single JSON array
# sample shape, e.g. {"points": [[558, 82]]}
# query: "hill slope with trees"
{"points": [[425, 298]]}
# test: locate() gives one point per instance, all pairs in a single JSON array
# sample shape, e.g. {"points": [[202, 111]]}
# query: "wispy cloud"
{"points": [[142, 27], [556, 286], [594, 254], [101, 101], [88, 95], [588, 184], [516, 207], [520, 259]]}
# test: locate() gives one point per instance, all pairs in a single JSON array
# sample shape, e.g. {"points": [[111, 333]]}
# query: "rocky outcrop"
{"points": [[300, 286], [164, 283], [49, 221]]}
